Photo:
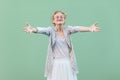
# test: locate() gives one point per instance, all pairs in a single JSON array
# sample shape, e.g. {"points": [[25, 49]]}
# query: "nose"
{"points": [[59, 18]]}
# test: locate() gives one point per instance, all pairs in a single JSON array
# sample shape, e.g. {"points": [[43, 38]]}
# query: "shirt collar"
{"points": [[56, 29]]}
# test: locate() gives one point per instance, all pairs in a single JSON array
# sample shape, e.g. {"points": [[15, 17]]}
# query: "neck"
{"points": [[59, 27]]}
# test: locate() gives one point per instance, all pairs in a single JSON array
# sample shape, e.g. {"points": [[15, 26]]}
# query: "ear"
{"points": [[53, 22], [64, 21]]}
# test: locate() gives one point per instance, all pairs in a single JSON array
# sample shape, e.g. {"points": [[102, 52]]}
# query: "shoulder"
{"points": [[68, 27], [49, 27]]}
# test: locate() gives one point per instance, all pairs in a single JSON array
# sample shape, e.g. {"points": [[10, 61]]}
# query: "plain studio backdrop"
{"points": [[23, 55]]}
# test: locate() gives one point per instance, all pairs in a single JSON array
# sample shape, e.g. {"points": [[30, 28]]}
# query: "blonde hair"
{"points": [[56, 13]]}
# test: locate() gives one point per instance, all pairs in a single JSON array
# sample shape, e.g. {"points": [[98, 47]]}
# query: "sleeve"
{"points": [[73, 29], [45, 30]]}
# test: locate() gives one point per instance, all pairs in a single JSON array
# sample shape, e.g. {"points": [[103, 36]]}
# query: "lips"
{"points": [[59, 20]]}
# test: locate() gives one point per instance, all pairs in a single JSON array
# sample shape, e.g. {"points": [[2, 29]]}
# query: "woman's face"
{"points": [[59, 19]]}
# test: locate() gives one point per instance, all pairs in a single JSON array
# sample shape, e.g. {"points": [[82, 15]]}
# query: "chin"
{"points": [[61, 23]]}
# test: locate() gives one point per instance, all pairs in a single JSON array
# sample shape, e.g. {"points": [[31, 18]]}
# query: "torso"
{"points": [[61, 47]]}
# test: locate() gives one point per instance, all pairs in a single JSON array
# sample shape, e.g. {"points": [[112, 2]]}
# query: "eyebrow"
{"points": [[60, 15]]}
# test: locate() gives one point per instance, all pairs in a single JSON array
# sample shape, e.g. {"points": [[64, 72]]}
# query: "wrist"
{"points": [[90, 29], [34, 30]]}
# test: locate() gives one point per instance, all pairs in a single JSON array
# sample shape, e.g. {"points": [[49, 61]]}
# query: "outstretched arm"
{"points": [[92, 28], [29, 28], [75, 29], [40, 30]]}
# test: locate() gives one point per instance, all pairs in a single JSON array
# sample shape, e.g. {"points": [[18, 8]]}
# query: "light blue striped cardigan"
{"points": [[50, 32]]}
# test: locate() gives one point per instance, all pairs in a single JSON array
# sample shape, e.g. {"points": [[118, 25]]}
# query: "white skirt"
{"points": [[62, 70]]}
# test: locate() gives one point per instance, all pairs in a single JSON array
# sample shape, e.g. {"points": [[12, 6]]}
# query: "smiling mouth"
{"points": [[59, 20]]}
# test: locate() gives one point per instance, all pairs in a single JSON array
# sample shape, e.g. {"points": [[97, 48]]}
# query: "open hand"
{"points": [[94, 28], [28, 28]]}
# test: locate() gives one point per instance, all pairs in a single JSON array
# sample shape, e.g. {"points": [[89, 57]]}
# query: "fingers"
{"points": [[26, 30], [94, 28], [27, 24], [95, 23], [97, 29]]}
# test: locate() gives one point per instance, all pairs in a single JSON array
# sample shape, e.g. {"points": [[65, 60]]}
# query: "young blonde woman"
{"points": [[61, 61]]}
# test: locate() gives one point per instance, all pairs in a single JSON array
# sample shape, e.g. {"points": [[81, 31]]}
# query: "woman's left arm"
{"points": [[76, 29], [92, 28]]}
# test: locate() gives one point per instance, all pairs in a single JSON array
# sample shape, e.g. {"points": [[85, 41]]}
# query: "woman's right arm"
{"points": [[30, 29], [40, 30]]}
